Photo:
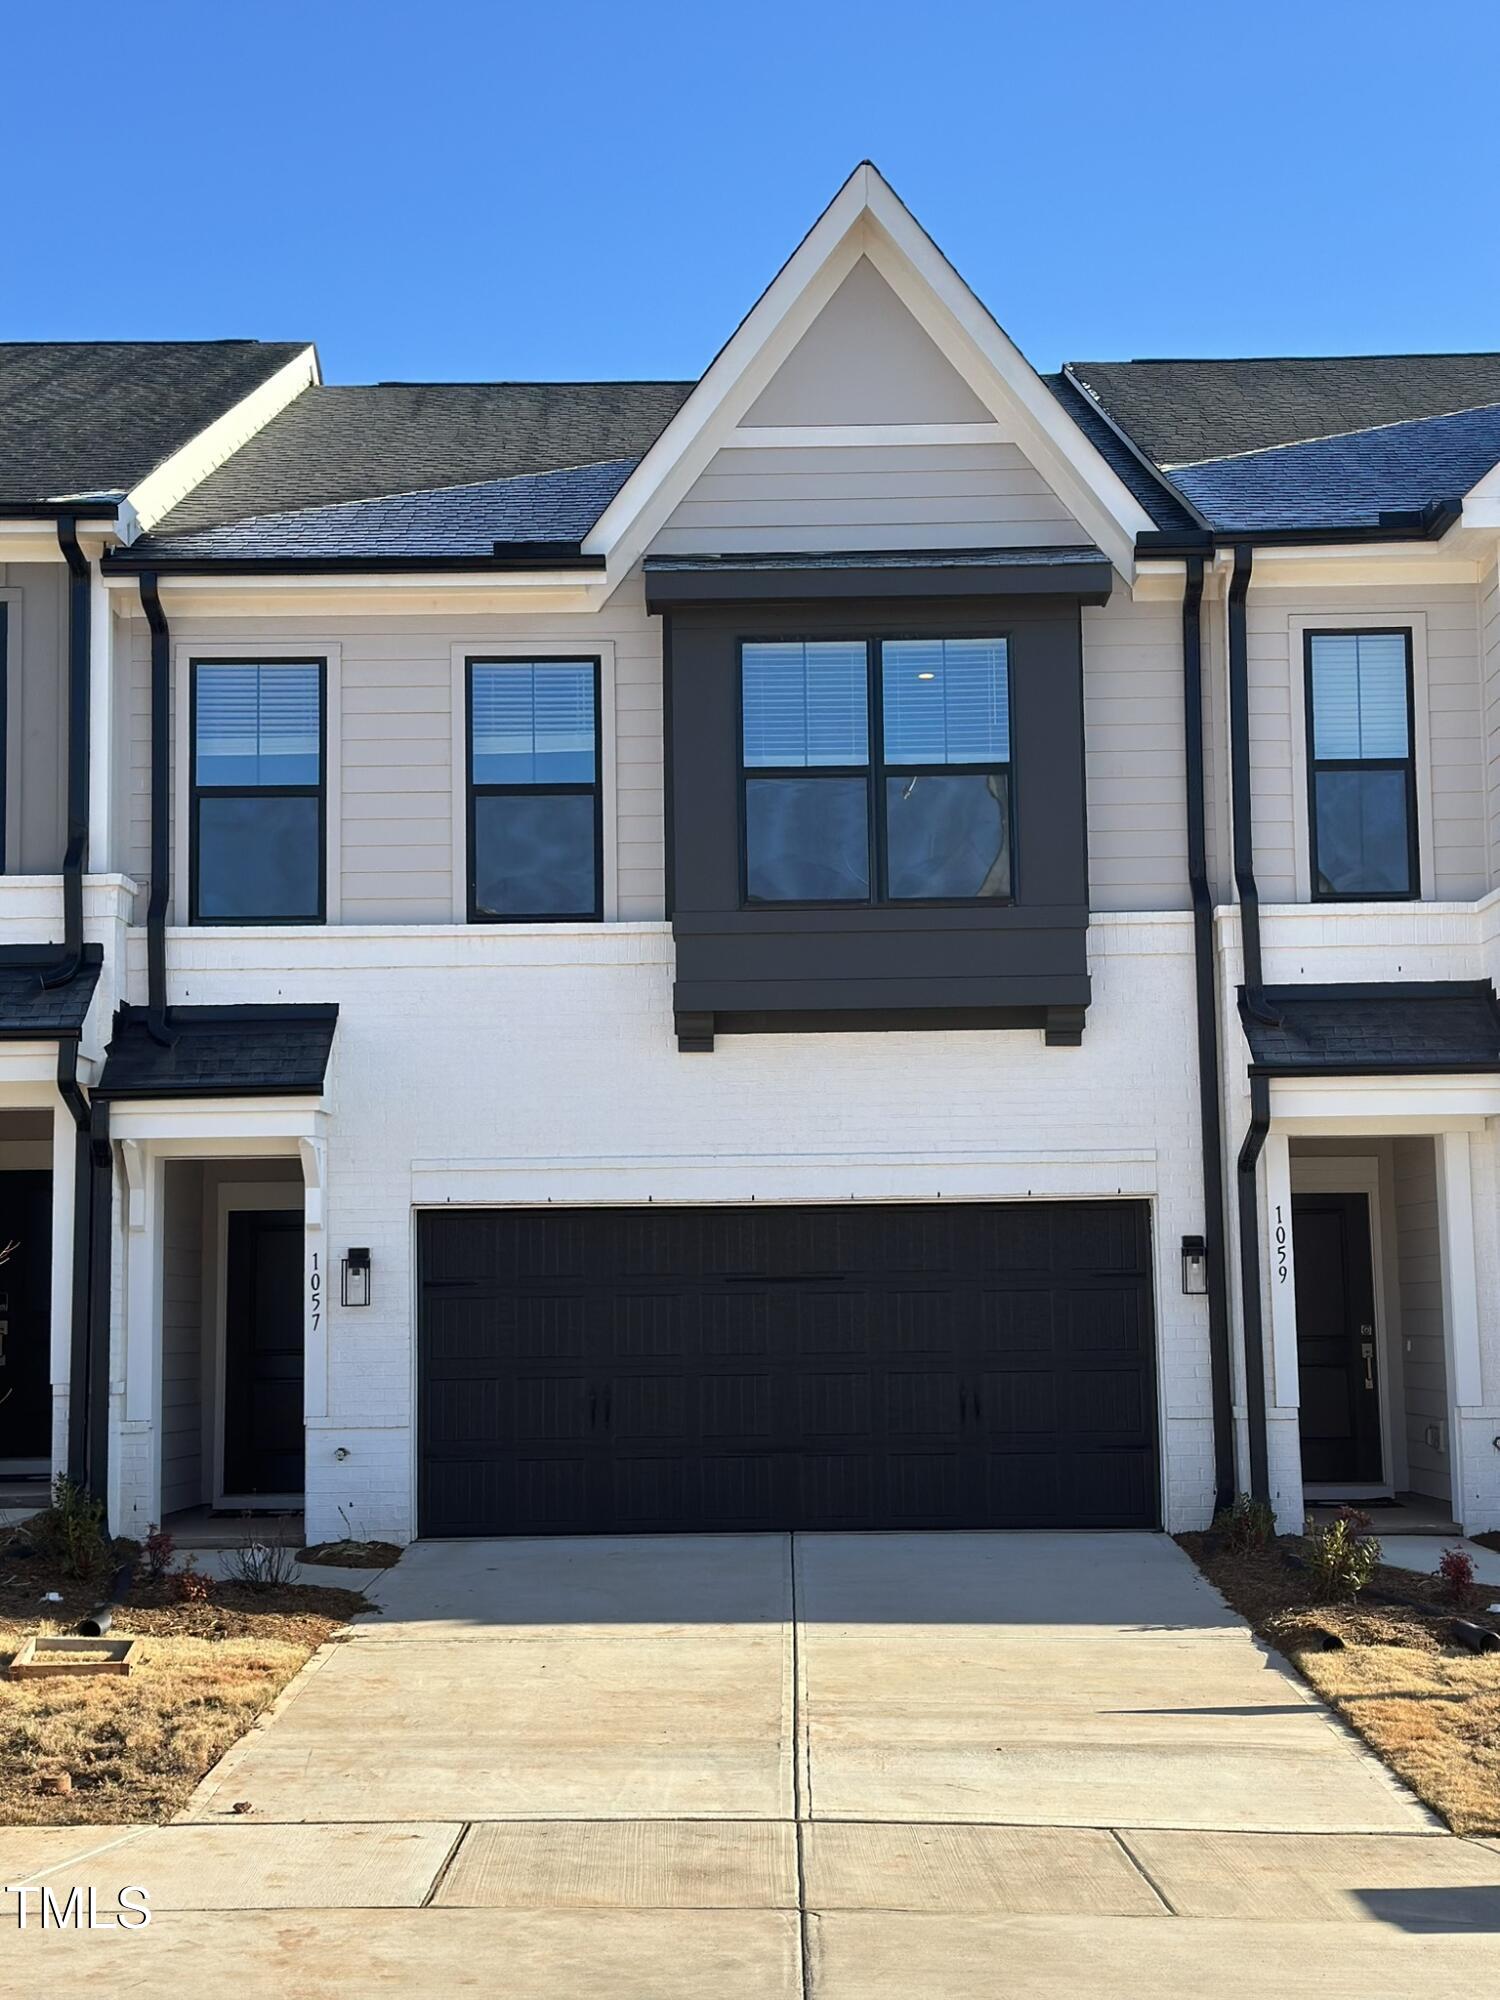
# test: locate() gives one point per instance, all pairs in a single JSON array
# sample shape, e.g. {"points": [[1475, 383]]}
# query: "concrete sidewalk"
{"points": [[907, 1765]]}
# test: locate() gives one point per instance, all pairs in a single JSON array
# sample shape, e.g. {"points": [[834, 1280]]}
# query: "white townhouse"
{"points": [[876, 939]]}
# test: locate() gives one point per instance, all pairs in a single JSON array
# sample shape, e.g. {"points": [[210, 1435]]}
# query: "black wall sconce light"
{"points": [[1194, 1266], [356, 1277]]}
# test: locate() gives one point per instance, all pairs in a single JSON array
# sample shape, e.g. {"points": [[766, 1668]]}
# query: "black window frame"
{"points": [[197, 791], [546, 789], [1316, 764], [874, 772]]}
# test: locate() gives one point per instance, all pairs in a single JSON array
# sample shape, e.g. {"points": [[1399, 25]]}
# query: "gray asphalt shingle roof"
{"points": [[250, 1051], [449, 521], [1353, 1030], [1349, 481], [30, 1011], [334, 445], [94, 417], [1184, 412]]}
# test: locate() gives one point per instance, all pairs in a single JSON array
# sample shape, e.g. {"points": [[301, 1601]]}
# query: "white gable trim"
{"points": [[866, 218], [188, 466], [1482, 501]]}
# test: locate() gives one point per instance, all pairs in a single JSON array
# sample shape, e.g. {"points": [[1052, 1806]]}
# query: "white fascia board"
{"points": [[191, 463], [1487, 488], [382, 593], [1354, 563], [29, 542], [1430, 1102]]}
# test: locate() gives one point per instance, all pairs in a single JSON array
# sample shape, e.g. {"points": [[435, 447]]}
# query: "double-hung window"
{"points": [[876, 771], [257, 797], [1361, 765], [535, 826]]}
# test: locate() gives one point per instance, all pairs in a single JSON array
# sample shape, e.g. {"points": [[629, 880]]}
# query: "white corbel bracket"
{"points": [[135, 1183], [314, 1153]]}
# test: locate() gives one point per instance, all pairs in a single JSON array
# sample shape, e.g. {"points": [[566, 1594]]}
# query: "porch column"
{"points": [[143, 1311], [314, 1156], [1460, 1280], [1283, 1389]]}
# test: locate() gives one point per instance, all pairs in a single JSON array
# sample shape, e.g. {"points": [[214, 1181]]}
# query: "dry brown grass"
{"points": [[135, 1746], [1430, 1709]]}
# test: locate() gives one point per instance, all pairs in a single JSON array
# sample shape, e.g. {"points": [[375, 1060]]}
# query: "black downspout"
{"points": [[157, 1024], [1210, 1122], [1255, 1005], [78, 1345], [101, 1244], [76, 853]]}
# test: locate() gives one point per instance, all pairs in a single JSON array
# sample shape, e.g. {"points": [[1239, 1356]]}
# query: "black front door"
{"points": [[263, 1352], [25, 1315], [1336, 1358]]}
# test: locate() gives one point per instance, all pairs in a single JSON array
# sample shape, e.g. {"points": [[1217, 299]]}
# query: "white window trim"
{"points": [[1299, 624], [255, 648], [461, 652]]}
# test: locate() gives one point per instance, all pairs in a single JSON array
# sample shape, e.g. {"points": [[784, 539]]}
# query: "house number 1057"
{"points": [[315, 1293], [1282, 1265]]}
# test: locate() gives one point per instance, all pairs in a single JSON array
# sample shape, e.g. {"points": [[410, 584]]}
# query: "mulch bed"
{"points": [[133, 1748], [352, 1555], [1427, 1706]]}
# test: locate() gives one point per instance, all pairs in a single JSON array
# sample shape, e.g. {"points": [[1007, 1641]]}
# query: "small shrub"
{"points": [[265, 1561], [1456, 1572], [1248, 1526], [157, 1551], [71, 1530], [1342, 1557], [191, 1586]]}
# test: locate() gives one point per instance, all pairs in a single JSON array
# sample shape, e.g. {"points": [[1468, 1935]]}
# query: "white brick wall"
{"points": [[534, 1065]]}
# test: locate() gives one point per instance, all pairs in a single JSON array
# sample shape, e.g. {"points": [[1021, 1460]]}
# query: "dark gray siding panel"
{"points": [[1030, 953]]}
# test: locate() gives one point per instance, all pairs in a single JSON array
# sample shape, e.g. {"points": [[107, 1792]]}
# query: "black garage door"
{"points": [[663, 1369]]}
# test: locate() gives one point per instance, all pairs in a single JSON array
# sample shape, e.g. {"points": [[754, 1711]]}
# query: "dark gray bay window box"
{"points": [[946, 878]]}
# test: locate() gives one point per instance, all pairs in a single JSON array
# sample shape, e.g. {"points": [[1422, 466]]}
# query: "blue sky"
{"points": [[450, 190]]}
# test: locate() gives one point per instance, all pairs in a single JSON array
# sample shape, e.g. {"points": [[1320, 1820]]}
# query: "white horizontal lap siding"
{"points": [[1456, 867], [1489, 646], [868, 496], [400, 795], [1134, 760]]}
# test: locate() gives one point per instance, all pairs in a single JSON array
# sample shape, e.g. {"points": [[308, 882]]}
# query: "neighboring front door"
{"points": [[263, 1353], [1336, 1358], [26, 1316]]}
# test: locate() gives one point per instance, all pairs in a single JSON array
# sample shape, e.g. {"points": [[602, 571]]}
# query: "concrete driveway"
{"points": [[839, 1765]]}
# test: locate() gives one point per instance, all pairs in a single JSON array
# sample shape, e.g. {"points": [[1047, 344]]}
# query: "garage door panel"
{"points": [[847, 1365], [1106, 1321]]}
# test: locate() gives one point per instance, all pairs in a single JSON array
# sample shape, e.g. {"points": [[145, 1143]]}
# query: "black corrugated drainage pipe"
{"points": [[1206, 989], [1254, 1004], [76, 852], [158, 1025]]}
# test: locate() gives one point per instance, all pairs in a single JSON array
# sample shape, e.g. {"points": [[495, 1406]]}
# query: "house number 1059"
{"points": [[315, 1293], [1282, 1265]]}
